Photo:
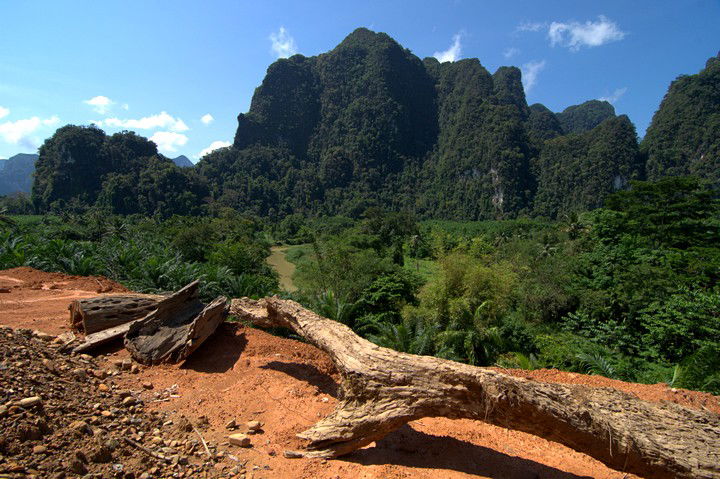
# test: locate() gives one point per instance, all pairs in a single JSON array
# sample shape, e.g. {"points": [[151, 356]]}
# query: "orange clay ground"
{"points": [[247, 374]]}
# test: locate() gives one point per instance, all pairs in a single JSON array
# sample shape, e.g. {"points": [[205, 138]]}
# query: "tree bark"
{"points": [[102, 312], [176, 328], [383, 389]]}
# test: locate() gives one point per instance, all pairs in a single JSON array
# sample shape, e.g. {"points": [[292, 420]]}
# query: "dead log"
{"points": [[102, 312], [383, 389], [186, 294], [175, 329], [105, 336]]}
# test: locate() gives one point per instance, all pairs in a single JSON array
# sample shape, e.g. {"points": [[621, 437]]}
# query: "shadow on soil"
{"points": [[219, 352], [307, 373], [411, 448]]}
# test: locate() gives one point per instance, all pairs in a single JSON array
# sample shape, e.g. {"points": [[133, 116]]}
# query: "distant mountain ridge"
{"points": [[183, 161], [16, 173]]}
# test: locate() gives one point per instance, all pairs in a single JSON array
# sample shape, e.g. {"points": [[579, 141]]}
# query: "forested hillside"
{"points": [[80, 166], [369, 124], [684, 136]]}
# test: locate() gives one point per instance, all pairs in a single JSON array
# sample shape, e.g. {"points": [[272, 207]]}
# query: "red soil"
{"points": [[247, 374], [33, 299]]}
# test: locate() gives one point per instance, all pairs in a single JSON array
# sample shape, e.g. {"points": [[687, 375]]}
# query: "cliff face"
{"points": [[369, 123]]}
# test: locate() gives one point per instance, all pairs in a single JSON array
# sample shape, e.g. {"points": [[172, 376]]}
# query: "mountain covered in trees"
{"points": [[684, 136], [370, 124], [123, 173]]}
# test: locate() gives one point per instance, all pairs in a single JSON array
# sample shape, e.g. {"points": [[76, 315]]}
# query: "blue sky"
{"points": [[160, 67]]}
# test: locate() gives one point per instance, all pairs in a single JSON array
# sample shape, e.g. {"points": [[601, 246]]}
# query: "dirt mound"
{"points": [[64, 416], [30, 278], [243, 374]]}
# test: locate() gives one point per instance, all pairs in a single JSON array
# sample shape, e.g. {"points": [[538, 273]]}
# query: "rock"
{"points": [[254, 426], [147, 385], [77, 467], [100, 455], [126, 364], [231, 424], [239, 440], [39, 449], [30, 401], [81, 427], [134, 369], [28, 432], [128, 401], [103, 387], [44, 336], [112, 444]]}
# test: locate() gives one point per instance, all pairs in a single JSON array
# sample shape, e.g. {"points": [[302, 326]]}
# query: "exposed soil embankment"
{"points": [[243, 374]]}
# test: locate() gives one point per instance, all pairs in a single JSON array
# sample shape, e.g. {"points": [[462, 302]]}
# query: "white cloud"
{"points": [[4, 112], [20, 132], [52, 121], [213, 146], [168, 141], [614, 96], [453, 53], [282, 44], [510, 52], [207, 118], [575, 35], [530, 72], [15, 131], [101, 104], [125, 106], [161, 120]]}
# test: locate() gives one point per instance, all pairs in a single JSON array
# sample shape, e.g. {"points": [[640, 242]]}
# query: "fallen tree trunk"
{"points": [[175, 329], [383, 389], [103, 312], [177, 325], [91, 341]]}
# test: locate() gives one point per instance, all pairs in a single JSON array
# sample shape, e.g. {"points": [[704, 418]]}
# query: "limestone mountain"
{"points": [[684, 135], [370, 124]]}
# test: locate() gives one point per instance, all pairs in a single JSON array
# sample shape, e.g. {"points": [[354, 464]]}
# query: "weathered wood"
{"points": [[102, 312], [383, 389], [94, 340], [174, 330], [91, 341]]}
